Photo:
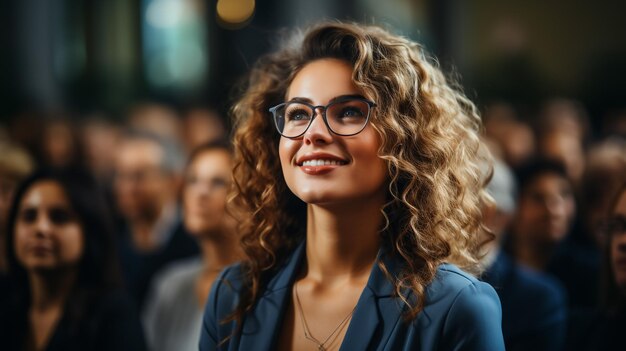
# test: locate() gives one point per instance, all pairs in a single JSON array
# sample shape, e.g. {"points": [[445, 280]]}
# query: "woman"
{"points": [[361, 210], [61, 262], [604, 329], [173, 314]]}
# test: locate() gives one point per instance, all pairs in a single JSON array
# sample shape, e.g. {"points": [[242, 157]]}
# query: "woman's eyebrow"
{"points": [[301, 99], [336, 98], [346, 97]]}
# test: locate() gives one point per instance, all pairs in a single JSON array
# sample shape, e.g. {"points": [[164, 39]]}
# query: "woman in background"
{"points": [[173, 315], [358, 167], [604, 329], [65, 283]]}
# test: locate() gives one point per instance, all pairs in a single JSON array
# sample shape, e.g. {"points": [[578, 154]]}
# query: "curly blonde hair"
{"points": [[430, 141]]}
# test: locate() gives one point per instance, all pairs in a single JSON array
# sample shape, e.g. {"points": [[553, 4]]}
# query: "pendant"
{"points": [[321, 348]]}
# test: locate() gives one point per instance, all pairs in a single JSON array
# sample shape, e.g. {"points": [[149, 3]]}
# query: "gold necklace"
{"points": [[321, 346]]}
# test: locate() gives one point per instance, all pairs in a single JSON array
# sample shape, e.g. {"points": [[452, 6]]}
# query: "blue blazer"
{"points": [[460, 313]]}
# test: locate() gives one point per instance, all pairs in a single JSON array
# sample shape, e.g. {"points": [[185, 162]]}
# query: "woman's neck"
{"points": [[51, 289], [342, 242]]}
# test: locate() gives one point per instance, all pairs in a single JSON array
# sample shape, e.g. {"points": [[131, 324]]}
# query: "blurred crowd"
{"points": [[113, 232]]}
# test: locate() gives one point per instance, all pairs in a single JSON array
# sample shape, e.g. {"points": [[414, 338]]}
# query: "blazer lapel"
{"points": [[261, 328], [377, 311]]}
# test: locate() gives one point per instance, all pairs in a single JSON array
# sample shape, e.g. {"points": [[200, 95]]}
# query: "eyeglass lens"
{"points": [[343, 117]]}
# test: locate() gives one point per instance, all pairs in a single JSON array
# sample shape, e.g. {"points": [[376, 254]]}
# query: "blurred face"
{"points": [[207, 182], [48, 235], [141, 186], [566, 148], [546, 207], [319, 166], [59, 146], [618, 242]]}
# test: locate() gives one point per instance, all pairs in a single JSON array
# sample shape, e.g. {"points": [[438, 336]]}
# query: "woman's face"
{"points": [[355, 172], [48, 235], [206, 188], [618, 242]]}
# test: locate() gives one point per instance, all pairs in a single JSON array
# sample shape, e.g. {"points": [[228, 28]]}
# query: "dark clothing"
{"points": [[577, 268], [534, 306], [594, 330], [110, 324], [460, 312], [138, 268]]}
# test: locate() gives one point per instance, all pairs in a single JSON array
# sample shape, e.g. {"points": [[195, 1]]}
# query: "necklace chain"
{"points": [[321, 346]]}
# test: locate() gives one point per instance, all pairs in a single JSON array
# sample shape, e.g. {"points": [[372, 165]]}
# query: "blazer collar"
{"points": [[374, 306]]}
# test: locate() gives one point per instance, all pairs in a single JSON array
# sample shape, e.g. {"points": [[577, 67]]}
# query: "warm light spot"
{"points": [[235, 11]]}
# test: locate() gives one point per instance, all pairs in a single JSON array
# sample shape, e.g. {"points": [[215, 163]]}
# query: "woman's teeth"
{"points": [[322, 163]]}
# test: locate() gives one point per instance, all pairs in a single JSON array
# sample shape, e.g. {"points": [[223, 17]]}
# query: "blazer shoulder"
{"points": [[461, 312], [469, 310], [450, 280]]}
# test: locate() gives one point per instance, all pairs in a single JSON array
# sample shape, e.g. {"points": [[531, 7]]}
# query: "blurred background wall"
{"points": [[102, 56]]}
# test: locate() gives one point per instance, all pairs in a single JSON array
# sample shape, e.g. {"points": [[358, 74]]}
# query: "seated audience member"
{"points": [[156, 118], [565, 115], [544, 217], [65, 282], [605, 171], [563, 131], [173, 313], [60, 143], [514, 137], [99, 136], [604, 329], [202, 125], [565, 148], [534, 305], [145, 188]]}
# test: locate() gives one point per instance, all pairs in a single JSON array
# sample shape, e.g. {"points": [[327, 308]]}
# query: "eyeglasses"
{"points": [[344, 116]]}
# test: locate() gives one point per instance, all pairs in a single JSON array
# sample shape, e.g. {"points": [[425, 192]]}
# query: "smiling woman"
{"points": [[357, 170]]}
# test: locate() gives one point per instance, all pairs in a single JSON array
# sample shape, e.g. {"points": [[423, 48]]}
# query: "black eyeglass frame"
{"points": [[273, 110]]}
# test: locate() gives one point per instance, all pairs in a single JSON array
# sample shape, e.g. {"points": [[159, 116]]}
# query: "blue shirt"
{"points": [[460, 313]]}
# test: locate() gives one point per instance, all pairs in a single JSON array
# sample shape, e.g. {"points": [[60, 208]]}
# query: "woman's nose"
{"points": [[318, 131], [43, 225]]}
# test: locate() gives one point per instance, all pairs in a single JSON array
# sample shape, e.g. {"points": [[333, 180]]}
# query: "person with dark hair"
{"points": [[357, 175], [546, 210], [66, 290], [173, 313], [534, 304], [603, 329]]}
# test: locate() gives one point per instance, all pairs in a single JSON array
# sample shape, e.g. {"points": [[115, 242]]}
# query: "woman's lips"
{"points": [[319, 170], [40, 250], [319, 166]]}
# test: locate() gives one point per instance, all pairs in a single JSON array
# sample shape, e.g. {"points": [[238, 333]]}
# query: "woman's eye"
{"points": [[297, 115], [60, 216], [28, 215], [219, 183], [351, 112]]}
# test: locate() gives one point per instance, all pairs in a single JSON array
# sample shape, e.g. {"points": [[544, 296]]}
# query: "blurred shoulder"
{"points": [[179, 272]]}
